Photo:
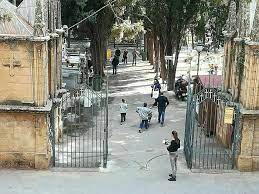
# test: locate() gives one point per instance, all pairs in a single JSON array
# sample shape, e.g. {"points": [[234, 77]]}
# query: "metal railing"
{"points": [[209, 142], [83, 142]]}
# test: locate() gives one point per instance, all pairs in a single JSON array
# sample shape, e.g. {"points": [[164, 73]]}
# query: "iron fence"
{"points": [[209, 142], [82, 141]]}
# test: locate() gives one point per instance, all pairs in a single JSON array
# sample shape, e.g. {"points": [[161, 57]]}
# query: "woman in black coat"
{"points": [[172, 149]]}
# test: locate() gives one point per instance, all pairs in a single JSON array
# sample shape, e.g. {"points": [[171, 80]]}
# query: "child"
{"points": [[144, 114], [123, 110]]}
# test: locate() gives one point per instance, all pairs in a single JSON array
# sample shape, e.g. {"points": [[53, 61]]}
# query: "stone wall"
{"points": [[24, 141], [256, 145], [19, 58], [241, 79], [248, 159], [23, 67], [249, 155], [231, 74], [250, 81], [243, 84], [30, 71]]}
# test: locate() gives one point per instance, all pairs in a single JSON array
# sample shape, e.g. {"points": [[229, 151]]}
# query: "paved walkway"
{"points": [[138, 163], [128, 148]]}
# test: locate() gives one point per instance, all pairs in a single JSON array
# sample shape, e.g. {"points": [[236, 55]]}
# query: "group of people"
{"points": [[145, 114], [116, 59]]}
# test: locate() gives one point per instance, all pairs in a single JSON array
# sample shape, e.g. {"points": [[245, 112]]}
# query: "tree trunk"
{"points": [[69, 39], [204, 38], [162, 60], [98, 51], [192, 33], [169, 52], [69, 33], [178, 49], [101, 57], [150, 48], [94, 48], [173, 68], [157, 53], [105, 53], [170, 81], [98, 32], [145, 42]]}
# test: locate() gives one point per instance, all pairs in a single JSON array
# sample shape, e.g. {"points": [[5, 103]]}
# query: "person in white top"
{"points": [[123, 110]]}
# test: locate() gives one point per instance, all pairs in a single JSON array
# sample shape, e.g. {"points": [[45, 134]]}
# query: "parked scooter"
{"points": [[181, 88]]}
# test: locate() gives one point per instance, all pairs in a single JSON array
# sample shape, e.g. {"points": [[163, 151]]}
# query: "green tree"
{"points": [[169, 21], [70, 17], [155, 23], [178, 15], [97, 28], [171, 18], [212, 19]]}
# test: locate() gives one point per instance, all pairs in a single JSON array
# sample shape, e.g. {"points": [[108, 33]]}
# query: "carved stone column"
{"points": [[39, 23], [255, 29]]}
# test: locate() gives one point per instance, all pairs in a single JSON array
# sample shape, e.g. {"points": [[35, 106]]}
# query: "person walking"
{"points": [[144, 113], [125, 57], [115, 63], [118, 52], [134, 55], [161, 102], [173, 155], [123, 110], [156, 87]]}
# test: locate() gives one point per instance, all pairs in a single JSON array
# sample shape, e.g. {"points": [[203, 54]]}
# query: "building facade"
{"points": [[30, 71], [241, 78]]}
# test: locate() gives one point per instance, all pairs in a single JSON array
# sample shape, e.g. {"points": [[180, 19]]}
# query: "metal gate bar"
{"points": [[83, 143], [204, 131]]}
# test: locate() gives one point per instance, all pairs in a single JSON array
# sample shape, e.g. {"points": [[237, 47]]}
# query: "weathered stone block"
{"points": [[24, 136], [14, 66], [42, 161], [17, 160], [245, 163], [256, 163]]}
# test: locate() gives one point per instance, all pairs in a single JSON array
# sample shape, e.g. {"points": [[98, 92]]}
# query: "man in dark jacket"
{"points": [[161, 102], [115, 63]]}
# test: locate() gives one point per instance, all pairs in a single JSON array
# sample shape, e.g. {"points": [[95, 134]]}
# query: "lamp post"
{"points": [[199, 49]]}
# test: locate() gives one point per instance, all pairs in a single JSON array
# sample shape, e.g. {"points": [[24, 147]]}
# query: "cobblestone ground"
{"points": [[138, 163]]}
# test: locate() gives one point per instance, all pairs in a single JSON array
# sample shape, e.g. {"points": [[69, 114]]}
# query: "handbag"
{"points": [[155, 94]]}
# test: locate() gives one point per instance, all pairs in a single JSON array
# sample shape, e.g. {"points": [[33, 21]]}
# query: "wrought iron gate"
{"points": [[83, 140], [209, 142]]}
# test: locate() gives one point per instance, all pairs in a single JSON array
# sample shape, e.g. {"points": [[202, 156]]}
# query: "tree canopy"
{"points": [[98, 28], [167, 20]]}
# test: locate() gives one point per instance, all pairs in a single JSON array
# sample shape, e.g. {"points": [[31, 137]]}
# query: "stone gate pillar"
{"points": [[241, 78], [248, 159]]}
